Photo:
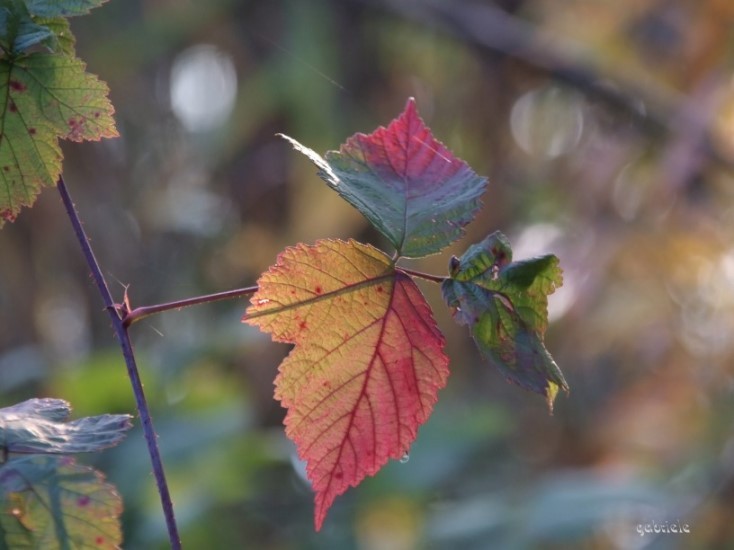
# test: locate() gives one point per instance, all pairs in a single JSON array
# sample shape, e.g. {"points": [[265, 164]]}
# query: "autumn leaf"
{"points": [[405, 182], [44, 97], [505, 304], [51, 502], [367, 364]]}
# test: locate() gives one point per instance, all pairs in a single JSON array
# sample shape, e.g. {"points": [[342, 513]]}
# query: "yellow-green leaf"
{"points": [[44, 97]]}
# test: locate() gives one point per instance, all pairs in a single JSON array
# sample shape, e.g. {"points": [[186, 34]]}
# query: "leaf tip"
{"points": [[322, 503], [550, 395], [318, 520], [126, 421], [552, 392], [325, 171]]}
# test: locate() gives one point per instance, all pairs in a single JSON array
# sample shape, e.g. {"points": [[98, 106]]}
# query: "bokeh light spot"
{"points": [[203, 88]]}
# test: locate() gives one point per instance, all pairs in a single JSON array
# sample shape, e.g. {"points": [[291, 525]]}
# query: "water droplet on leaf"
{"points": [[405, 458]]}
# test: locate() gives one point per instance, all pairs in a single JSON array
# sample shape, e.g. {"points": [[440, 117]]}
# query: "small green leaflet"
{"points": [[44, 96], [405, 182], [505, 304]]}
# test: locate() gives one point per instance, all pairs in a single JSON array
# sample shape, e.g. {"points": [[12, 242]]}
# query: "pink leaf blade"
{"points": [[367, 365]]}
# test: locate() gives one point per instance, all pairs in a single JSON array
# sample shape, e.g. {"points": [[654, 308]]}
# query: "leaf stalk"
{"points": [[138, 313], [420, 275]]}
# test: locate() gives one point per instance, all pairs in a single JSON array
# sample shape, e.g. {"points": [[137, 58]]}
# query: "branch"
{"points": [[132, 369]]}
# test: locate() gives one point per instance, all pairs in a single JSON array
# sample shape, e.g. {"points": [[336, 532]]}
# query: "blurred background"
{"points": [[606, 130]]}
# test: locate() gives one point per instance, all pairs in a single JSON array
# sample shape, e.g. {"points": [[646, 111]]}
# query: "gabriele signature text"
{"points": [[663, 528]]}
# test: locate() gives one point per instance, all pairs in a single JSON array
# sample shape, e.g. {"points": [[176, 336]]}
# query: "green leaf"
{"points": [[65, 8], [505, 305], [38, 426], [53, 503], [405, 182], [62, 40], [18, 30], [44, 97]]}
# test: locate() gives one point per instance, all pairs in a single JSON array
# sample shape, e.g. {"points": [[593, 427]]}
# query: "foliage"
{"points": [[368, 360], [50, 501], [407, 184], [367, 365], [45, 95], [504, 303]]}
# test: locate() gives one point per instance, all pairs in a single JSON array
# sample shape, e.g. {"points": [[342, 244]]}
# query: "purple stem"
{"points": [[132, 369], [144, 311], [427, 276]]}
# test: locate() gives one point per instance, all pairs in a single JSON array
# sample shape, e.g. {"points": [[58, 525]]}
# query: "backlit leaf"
{"points": [[505, 304], [367, 364], [65, 8], [44, 97], [407, 184], [39, 426], [24, 24], [62, 40], [53, 503]]}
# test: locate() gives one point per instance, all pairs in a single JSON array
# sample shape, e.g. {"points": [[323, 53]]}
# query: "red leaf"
{"points": [[407, 183], [367, 364]]}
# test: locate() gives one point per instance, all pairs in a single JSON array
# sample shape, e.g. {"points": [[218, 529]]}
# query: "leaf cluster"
{"points": [[47, 500], [368, 360]]}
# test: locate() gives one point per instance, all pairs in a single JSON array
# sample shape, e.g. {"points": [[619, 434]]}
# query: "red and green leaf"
{"points": [[367, 364], [51, 502], [405, 182], [505, 305]]}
